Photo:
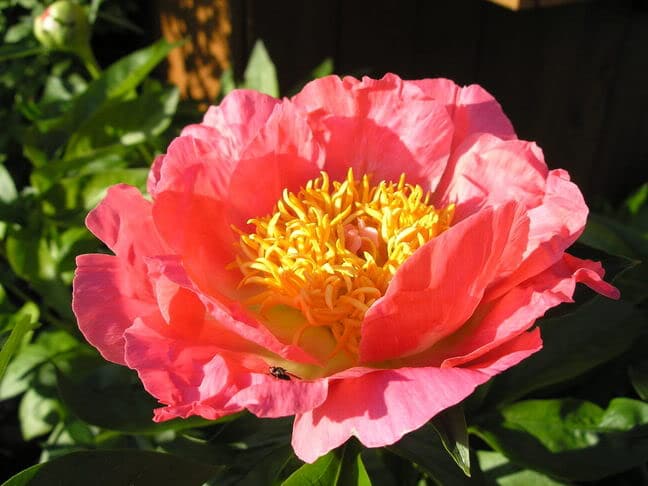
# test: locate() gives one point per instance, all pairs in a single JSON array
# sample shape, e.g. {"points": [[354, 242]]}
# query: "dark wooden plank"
{"points": [[446, 40], [375, 37], [621, 163], [551, 69], [298, 34]]}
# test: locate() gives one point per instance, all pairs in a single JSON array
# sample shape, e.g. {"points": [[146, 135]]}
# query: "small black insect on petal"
{"points": [[279, 373]]}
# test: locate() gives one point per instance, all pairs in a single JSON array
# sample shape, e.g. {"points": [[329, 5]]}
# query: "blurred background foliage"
{"points": [[575, 412]]}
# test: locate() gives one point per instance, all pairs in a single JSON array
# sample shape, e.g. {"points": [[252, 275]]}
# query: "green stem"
{"points": [[90, 63]]}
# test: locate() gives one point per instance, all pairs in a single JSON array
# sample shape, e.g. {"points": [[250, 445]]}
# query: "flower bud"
{"points": [[63, 26]]}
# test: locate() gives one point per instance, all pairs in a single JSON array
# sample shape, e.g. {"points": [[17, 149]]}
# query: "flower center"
{"points": [[331, 249]]}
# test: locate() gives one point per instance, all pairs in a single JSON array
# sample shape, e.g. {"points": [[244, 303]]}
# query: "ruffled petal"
{"points": [[272, 397], [106, 299], [472, 109], [231, 326], [378, 127], [421, 306], [379, 408], [487, 171]]}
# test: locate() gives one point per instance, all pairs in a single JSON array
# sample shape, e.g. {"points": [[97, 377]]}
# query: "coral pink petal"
{"points": [[282, 156], [226, 129], [472, 109], [486, 170], [379, 408], [508, 354], [106, 299], [240, 116], [280, 398], [231, 326], [123, 222], [555, 224], [182, 374], [377, 127], [421, 306]]}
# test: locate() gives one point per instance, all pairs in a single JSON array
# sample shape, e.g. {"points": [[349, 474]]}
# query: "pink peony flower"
{"points": [[361, 256]]}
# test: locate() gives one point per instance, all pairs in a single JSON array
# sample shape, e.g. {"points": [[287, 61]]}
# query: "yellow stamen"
{"points": [[331, 249]]}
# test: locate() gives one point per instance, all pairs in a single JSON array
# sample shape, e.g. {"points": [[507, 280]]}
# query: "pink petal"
{"points": [[555, 224], [282, 156], [377, 127], [280, 398], [379, 408], [123, 222], [107, 297], [486, 170], [472, 109], [507, 354], [421, 305], [187, 376], [227, 128], [231, 326], [109, 292]]}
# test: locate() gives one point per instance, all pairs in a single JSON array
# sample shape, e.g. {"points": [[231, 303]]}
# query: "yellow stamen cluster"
{"points": [[331, 249]]}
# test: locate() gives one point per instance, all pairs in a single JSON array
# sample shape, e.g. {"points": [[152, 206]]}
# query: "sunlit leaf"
{"points": [[340, 467], [451, 427], [260, 73], [570, 439]]}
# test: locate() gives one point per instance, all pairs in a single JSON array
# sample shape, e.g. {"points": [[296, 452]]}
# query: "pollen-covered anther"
{"points": [[331, 249]]}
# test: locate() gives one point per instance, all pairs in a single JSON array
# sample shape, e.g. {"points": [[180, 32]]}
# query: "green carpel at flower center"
{"points": [[330, 251]]}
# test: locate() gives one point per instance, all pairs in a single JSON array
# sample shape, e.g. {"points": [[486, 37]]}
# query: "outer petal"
{"points": [[271, 397], [109, 292], [379, 408], [421, 305], [487, 170], [227, 128], [188, 376], [106, 302], [378, 127]]}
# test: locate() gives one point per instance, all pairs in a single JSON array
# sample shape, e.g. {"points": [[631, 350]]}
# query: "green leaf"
{"points": [[24, 477], [615, 237], [424, 447], [451, 427], [38, 414], [572, 344], [570, 439], [23, 324], [8, 191], [498, 470], [141, 468], [14, 51], [638, 199], [323, 69], [49, 347], [260, 73], [639, 377], [126, 122], [112, 397], [340, 467], [115, 82]]}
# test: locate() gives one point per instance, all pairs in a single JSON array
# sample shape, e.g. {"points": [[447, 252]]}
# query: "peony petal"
{"points": [[123, 222], [486, 170], [231, 326], [273, 397], [282, 156], [188, 376], [555, 224], [106, 299], [472, 109], [379, 408], [422, 304], [377, 127]]}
